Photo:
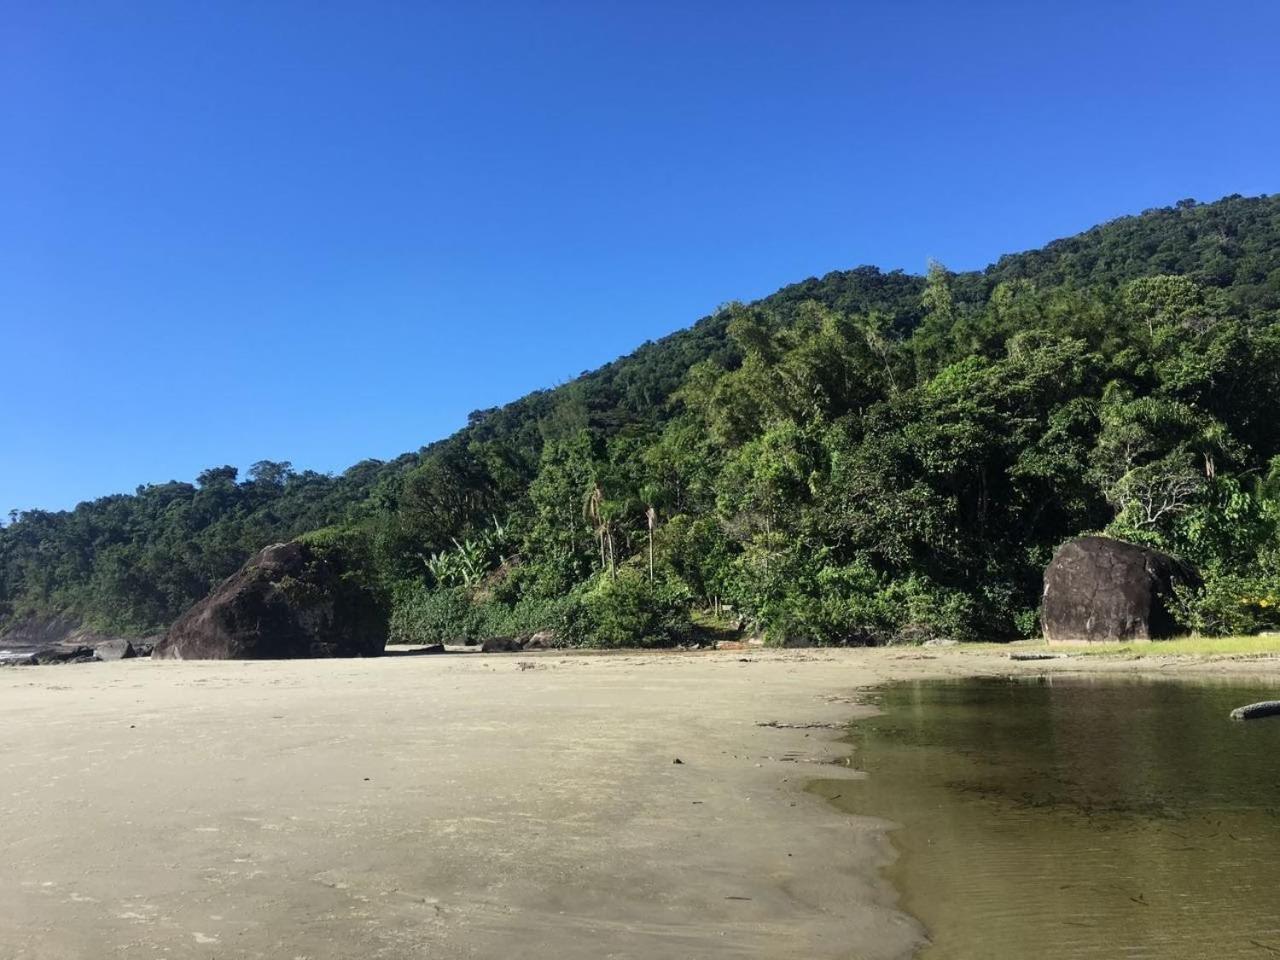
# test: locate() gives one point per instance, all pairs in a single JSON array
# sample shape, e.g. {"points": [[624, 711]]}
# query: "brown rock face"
{"points": [[289, 601], [1098, 589]]}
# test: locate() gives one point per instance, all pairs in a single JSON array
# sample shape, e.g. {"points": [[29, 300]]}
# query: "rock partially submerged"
{"points": [[1098, 589], [1256, 711], [291, 600]]}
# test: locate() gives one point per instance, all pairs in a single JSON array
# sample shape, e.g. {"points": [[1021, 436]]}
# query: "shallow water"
{"points": [[1073, 818]]}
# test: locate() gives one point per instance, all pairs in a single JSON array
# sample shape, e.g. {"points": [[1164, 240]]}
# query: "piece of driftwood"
{"points": [[1254, 711]]}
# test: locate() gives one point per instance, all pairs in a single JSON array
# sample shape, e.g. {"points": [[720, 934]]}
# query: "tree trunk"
{"points": [[652, 516]]}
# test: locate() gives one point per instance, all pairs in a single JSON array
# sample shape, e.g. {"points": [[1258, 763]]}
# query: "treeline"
{"points": [[865, 457], [133, 563]]}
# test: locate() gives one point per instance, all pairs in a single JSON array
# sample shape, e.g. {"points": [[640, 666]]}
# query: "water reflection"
{"points": [[1078, 818]]}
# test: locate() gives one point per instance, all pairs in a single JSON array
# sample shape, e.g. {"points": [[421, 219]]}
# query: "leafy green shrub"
{"points": [[360, 588], [351, 549], [852, 605], [454, 615], [527, 616], [629, 611], [931, 612], [446, 615], [1231, 604]]}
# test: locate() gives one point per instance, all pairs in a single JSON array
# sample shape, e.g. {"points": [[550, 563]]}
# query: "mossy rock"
{"points": [[291, 600]]}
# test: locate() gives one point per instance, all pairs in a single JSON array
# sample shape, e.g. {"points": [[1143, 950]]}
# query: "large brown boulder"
{"points": [[290, 600], [1098, 589]]}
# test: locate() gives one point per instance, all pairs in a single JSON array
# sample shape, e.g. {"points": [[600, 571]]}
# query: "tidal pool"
{"points": [[1077, 818]]}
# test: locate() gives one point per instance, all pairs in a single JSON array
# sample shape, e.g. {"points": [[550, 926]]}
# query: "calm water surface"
{"points": [[1076, 818]]}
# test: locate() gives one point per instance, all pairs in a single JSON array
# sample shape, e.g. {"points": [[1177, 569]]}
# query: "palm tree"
{"points": [[652, 516], [593, 511]]}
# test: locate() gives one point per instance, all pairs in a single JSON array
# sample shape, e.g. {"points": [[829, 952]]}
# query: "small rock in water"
{"points": [[1255, 711], [678, 760]]}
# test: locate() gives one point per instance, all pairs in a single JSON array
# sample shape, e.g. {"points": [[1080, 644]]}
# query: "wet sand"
{"points": [[458, 806]]}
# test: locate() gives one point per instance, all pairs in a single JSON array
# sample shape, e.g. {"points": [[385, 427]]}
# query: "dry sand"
{"points": [[521, 806]]}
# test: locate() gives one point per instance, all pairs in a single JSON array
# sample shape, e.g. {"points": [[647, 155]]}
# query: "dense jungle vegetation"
{"points": [[860, 458]]}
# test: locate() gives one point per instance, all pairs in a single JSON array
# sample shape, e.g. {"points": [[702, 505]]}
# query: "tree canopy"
{"points": [[861, 457]]}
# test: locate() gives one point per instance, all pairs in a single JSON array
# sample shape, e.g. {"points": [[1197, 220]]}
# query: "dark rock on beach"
{"points": [[542, 640], [63, 655], [115, 650], [1098, 589], [502, 645], [290, 600], [47, 656], [41, 640]]}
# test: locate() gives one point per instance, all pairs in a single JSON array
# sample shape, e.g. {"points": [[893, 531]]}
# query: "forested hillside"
{"points": [[858, 458]]}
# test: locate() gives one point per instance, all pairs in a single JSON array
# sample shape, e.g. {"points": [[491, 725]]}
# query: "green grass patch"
{"points": [[1244, 646], [1254, 646]]}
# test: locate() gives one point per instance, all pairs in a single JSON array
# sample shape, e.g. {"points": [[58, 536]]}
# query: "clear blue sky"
{"points": [[322, 231]]}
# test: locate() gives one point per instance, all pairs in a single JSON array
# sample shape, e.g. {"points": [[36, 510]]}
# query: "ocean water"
{"points": [[1074, 818]]}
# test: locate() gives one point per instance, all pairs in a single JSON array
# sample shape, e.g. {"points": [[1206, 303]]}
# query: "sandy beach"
{"points": [[455, 806]]}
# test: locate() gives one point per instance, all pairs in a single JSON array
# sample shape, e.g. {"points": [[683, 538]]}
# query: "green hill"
{"points": [[856, 458]]}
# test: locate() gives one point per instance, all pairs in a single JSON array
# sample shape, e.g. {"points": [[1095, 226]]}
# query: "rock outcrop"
{"points": [[64, 639], [47, 656], [291, 600], [1098, 589], [47, 635]]}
